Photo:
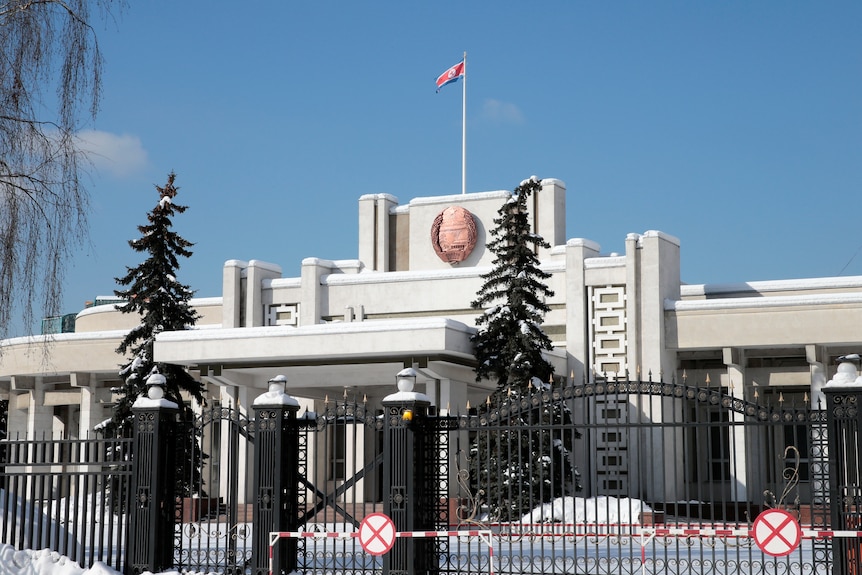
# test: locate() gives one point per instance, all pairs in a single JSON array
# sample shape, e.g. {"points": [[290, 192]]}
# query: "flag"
{"points": [[450, 75]]}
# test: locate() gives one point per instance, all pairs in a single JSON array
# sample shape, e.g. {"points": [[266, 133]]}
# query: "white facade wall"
{"points": [[352, 324]]}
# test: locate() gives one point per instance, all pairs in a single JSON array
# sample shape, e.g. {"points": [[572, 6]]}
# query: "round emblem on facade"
{"points": [[453, 234]]}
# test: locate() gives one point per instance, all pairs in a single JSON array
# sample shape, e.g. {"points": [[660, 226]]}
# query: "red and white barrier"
{"points": [[485, 535]]}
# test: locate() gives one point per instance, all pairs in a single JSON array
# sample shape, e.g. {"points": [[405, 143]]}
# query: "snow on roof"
{"points": [[376, 326], [605, 262], [848, 282], [459, 198], [58, 337], [763, 302]]}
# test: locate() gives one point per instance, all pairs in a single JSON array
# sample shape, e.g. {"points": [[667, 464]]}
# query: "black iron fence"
{"points": [[602, 477], [636, 477], [214, 499], [67, 495]]}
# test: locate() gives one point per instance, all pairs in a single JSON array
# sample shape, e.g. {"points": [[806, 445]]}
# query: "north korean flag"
{"points": [[450, 75]]}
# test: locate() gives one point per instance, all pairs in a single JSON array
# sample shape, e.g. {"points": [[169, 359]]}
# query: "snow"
{"points": [[845, 376], [275, 398], [599, 510], [378, 326], [764, 302], [407, 396], [47, 562], [603, 510], [147, 403], [848, 282]]}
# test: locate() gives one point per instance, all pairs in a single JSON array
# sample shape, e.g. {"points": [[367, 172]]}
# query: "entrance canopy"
{"points": [[331, 359]]}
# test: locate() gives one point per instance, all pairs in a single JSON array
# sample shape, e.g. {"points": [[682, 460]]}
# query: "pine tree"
{"points": [[153, 292], [528, 460], [510, 347]]}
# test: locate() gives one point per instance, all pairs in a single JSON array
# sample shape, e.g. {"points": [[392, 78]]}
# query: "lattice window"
{"points": [[608, 329], [612, 447], [282, 314]]}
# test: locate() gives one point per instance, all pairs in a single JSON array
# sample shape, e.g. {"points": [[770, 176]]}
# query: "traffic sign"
{"points": [[377, 533], [776, 532]]}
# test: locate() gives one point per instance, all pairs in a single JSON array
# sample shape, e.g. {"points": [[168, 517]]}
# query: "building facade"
{"points": [[346, 327]]}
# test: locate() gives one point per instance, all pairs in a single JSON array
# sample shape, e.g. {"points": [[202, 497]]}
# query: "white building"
{"points": [[348, 326]]}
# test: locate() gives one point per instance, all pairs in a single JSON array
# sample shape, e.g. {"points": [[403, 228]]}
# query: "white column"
{"points": [[734, 359], [816, 354], [92, 412]]}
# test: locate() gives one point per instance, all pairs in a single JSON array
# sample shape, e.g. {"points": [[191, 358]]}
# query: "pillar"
{"points": [[276, 479], [151, 526], [404, 460], [843, 396]]}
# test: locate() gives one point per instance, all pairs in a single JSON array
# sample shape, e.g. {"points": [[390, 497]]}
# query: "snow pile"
{"points": [[45, 562], [603, 510]]}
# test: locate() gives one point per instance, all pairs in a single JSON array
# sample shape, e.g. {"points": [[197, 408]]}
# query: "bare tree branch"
{"points": [[50, 81]]}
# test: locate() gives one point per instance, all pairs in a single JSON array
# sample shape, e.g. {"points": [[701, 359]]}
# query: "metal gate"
{"points": [[635, 477], [340, 469], [214, 496]]}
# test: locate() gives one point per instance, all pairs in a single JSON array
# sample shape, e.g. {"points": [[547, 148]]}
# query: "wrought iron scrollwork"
{"points": [[791, 483]]}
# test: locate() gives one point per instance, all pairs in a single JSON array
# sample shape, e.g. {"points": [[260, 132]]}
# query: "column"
{"points": [[150, 544], [734, 360], [843, 394], [403, 463], [276, 479]]}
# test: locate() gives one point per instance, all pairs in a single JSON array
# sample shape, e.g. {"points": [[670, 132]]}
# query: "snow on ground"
{"points": [[601, 510], [45, 562], [598, 510]]}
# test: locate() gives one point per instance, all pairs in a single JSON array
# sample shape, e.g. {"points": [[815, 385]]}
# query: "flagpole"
{"points": [[464, 131]]}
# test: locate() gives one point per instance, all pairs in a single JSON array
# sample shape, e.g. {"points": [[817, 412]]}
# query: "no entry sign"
{"points": [[776, 532], [377, 533]]}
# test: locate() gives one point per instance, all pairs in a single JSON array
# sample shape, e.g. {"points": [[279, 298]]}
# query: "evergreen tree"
{"points": [[153, 292], [509, 347], [527, 461]]}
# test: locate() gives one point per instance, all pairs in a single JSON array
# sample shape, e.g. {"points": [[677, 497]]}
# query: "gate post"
{"points": [[150, 545], [276, 478], [403, 464], [844, 420]]}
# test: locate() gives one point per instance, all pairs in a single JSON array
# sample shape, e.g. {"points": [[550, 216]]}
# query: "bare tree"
{"points": [[50, 78]]}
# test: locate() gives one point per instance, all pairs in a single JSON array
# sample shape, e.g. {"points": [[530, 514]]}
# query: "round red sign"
{"points": [[377, 533], [776, 532]]}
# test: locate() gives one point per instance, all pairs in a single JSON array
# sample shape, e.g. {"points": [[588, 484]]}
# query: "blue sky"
{"points": [[734, 126]]}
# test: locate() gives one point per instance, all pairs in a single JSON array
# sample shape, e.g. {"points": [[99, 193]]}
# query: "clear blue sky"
{"points": [[734, 126]]}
